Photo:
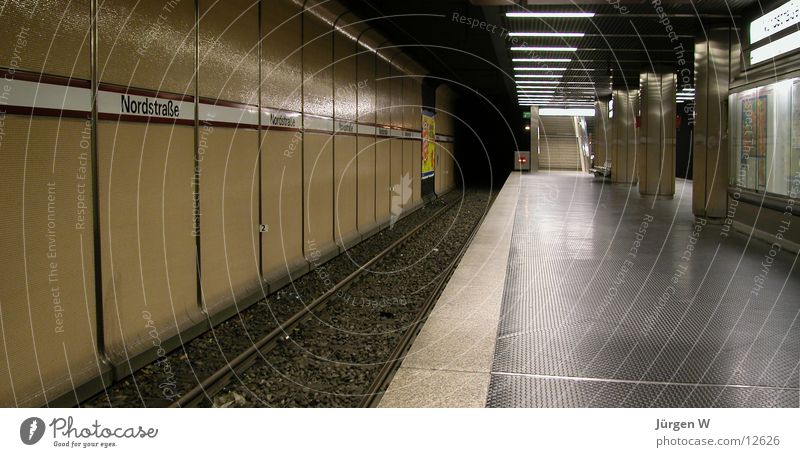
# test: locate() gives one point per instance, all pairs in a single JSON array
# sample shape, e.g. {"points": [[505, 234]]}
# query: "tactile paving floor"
{"points": [[612, 300]]}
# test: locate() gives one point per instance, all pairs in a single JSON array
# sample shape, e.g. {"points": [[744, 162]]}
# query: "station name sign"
{"points": [[147, 106], [144, 108], [282, 120]]}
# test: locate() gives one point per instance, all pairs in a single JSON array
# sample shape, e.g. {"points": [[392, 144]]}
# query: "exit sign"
{"points": [[526, 114]]}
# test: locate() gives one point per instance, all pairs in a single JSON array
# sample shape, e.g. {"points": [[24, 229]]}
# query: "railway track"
{"points": [[375, 391], [234, 368]]}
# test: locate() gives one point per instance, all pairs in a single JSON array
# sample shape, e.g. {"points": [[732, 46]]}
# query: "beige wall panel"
{"points": [[415, 111], [281, 77], [446, 160], [445, 101], [416, 150], [47, 301], [148, 255], [318, 192], [317, 69], [366, 91], [229, 50], [344, 77], [346, 198], [397, 99], [451, 168], [411, 109], [383, 163], [438, 175], [136, 48], [408, 170], [366, 184], [50, 38], [282, 202], [396, 176], [445, 176], [229, 242], [416, 163], [383, 96]]}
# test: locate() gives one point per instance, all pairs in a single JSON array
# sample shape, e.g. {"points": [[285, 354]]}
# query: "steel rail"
{"points": [[375, 391]]}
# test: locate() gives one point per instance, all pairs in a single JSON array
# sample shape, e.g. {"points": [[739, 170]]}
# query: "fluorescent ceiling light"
{"points": [[555, 105], [560, 102], [775, 48], [538, 76], [561, 105], [587, 84], [526, 59], [566, 14], [566, 112], [538, 82], [544, 48], [548, 34], [551, 69], [539, 69]]}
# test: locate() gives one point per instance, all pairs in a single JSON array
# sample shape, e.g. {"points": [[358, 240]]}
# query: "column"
{"points": [[710, 144], [601, 133], [656, 152], [623, 128], [534, 138]]}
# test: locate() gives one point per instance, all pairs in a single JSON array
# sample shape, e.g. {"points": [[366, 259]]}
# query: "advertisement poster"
{"points": [[428, 144]]}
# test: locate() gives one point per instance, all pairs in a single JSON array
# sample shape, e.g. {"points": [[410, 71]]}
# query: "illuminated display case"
{"points": [[765, 138]]}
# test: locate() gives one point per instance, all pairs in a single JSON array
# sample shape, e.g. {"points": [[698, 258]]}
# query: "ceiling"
{"points": [[613, 49]]}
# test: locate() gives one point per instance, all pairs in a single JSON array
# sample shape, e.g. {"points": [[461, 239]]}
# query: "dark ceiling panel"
{"points": [[616, 47]]}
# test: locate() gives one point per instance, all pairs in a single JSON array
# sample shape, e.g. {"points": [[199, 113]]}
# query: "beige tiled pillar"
{"points": [[601, 133], [656, 152], [623, 128], [534, 138], [710, 148]]}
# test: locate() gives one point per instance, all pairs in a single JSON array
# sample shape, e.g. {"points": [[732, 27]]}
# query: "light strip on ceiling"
{"points": [[548, 34], [582, 83], [553, 105], [556, 99], [526, 59], [548, 14], [560, 104], [539, 69], [537, 76], [566, 112], [544, 48]]}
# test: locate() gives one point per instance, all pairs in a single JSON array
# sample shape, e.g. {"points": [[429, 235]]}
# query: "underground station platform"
{"points": [[576, 293]]}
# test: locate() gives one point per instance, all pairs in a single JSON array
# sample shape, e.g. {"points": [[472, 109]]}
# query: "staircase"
{"points": [[558, 144]]}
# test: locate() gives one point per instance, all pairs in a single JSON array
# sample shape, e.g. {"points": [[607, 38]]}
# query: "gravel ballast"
{"points": [[330, 359]]}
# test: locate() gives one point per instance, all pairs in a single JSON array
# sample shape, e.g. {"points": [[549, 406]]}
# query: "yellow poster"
{"points": [[428, 145]]}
